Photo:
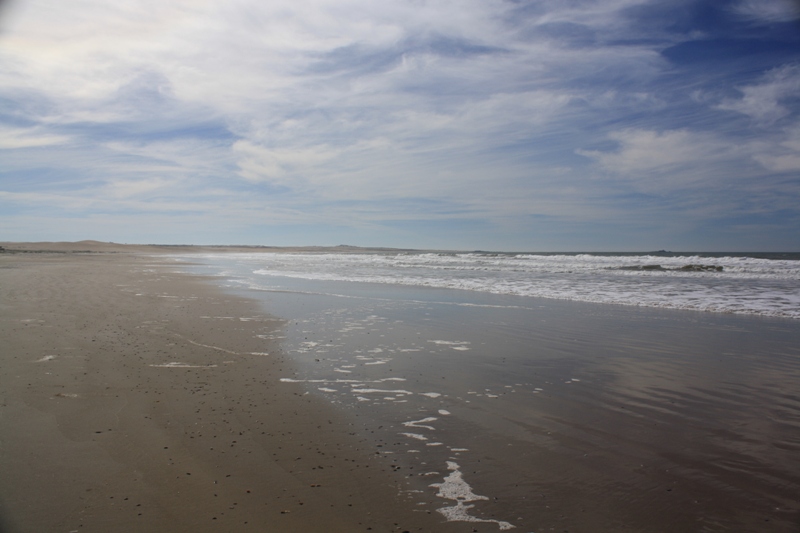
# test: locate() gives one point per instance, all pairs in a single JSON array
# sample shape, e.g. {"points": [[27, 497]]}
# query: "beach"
{"points": [[122, 410], [142, 393]]}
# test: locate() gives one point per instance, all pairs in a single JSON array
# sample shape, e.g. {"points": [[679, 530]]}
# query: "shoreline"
{"points": [[97, 247], [626, 419], [92, 246], [123, 409], [139, 396]]}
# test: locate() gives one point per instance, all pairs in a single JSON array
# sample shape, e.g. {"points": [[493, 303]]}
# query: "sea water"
{"points": [[488, 382], [762, 284]]}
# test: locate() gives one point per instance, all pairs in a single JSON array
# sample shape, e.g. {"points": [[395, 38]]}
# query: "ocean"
{"points": [[539, 392], [760, 284]]}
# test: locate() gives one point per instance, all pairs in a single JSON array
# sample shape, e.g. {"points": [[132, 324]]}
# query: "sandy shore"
{"points": [[137, 399], [123, 409]]}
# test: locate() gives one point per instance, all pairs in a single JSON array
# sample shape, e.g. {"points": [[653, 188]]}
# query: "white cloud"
{"points": [[47, 199], [645, 153], [782, 156], [701, 175], [780, 163], [282, 166], [246, 58], [131, 188], [11, 137], [178, 157], [768, 10], [596, 13], [764, 102], [357, 111]]}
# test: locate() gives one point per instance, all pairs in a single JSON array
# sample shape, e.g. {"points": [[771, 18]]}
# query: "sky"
{"points": [[508, 125]]}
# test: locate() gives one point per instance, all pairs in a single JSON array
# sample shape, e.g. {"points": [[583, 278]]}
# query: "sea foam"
{"points": [[710, 282]]}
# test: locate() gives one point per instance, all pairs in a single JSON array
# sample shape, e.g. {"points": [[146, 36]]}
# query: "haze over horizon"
{"points": [[623, 125]]}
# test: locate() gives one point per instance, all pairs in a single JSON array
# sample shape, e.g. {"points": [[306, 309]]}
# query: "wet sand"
{"points": [[133, 398], [561, 416], [124, 407]]}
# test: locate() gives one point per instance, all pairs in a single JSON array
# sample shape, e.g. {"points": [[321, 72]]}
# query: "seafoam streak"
{"points": [[455, 488]]}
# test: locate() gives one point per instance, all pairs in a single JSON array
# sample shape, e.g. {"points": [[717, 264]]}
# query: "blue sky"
{"points": [[471, 124]]}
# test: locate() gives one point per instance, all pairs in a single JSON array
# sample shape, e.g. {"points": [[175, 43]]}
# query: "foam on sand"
{"points": [[455, 488], [176, 364], [367, 391], [415, 436], [455, 345], [419, 423], [353, 381]]}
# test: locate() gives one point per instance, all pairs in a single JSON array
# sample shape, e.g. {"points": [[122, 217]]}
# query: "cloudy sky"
{"points": [[462, 124]]}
